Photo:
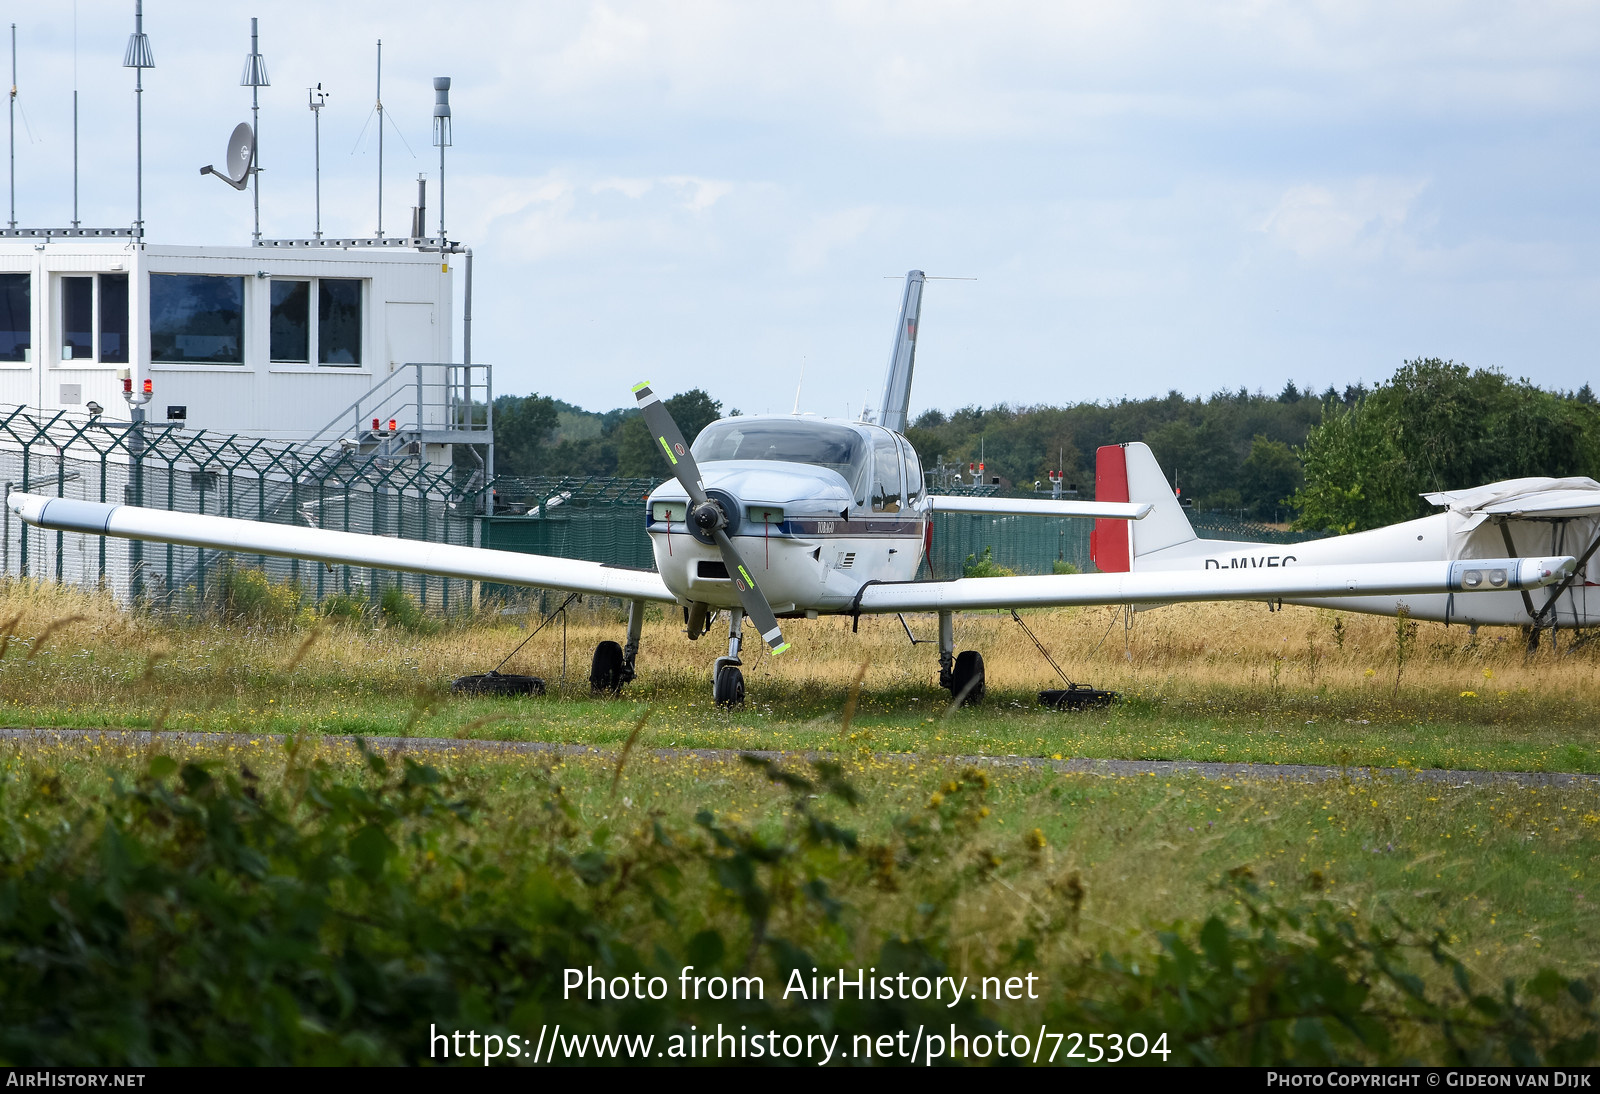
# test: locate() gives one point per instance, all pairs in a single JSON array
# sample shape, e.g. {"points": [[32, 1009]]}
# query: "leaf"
{"points": [[1216, 944], [369, 850], [705, 949], [1547, 985]]}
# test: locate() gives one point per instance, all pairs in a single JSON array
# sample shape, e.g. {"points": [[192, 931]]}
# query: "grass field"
{"points": [[1097, 884], [1214, 682]]}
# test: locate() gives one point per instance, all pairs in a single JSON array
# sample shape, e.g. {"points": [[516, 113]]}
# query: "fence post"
{"points": [[22, 550], [136, 452]]}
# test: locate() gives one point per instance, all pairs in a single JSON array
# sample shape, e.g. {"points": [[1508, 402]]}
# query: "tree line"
{"points": [[1339, 460]]}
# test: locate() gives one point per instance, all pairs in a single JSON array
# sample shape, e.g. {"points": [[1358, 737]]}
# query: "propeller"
{"points": [[708, 514]]}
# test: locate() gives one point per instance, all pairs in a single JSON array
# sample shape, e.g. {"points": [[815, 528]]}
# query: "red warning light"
{"points": [[149, 388], [391, 425], [980, 467], [374, 425], [127, 385]]}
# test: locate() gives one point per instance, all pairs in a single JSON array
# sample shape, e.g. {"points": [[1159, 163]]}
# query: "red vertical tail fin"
{"points": [[1109, 542]]}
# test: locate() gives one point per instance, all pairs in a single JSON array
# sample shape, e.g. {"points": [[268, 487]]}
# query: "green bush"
{"points": [[249, 595], [985, 566], [202, 915], [400, 609], [351, 608]]}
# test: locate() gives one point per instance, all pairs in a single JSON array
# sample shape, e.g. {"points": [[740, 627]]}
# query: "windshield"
{"points": [[811, 442]]}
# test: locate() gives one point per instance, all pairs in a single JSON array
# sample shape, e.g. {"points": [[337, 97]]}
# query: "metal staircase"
{"points": [[417, 405]]}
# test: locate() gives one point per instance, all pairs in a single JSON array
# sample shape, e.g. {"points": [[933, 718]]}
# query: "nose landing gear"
{"points": [[727, 681]]}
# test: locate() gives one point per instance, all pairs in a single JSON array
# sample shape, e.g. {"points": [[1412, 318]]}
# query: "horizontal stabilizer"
{"points": [[1040, 507], [339, 548]]}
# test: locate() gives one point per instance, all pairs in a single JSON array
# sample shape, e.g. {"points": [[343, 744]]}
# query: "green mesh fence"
{"points": [[165, 466], [594, 519], [1024, 545]]}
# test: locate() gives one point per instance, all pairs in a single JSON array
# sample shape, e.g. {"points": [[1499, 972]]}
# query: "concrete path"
{"points": [[129, 738]]}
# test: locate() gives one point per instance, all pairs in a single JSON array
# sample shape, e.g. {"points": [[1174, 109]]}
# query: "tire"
{"points": [[605, 671], [966, 679], [728, 688], [493, 683]]}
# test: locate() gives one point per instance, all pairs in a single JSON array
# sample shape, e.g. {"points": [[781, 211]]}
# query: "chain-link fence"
{"points": [[353, 488], [165, 466]]}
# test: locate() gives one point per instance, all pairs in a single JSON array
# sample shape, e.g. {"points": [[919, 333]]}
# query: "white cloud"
{"points": [[633, 188], [1363, 220], [1154, 193], [699, 194]]}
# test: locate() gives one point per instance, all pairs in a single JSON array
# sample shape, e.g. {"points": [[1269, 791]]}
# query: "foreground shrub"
{"points": [[199, 914]]}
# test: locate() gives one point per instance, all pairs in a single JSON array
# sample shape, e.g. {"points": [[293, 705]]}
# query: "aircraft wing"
{"points": [[347, 548], [1039, 507], [1170, 586]]}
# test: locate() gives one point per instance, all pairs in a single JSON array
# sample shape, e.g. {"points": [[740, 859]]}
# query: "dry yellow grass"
{"points": [[1228, 681]]}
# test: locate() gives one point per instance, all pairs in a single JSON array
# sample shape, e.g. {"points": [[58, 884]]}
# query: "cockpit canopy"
{"points": [[877, 465]]}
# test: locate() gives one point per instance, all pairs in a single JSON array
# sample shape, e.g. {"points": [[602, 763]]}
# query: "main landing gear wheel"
{"points": [[605, 671], [728, 687], [966, 678]]}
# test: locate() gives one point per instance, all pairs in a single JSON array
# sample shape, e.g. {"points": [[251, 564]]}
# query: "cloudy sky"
{"points": [[1150, 195]]}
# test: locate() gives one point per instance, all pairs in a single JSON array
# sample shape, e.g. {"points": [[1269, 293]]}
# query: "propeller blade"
{"points": [[670, 440], [753, 600]]}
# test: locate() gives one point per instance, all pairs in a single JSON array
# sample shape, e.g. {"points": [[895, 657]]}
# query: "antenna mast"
{"points": [[13, 125], [441, 136], [138, 57], [317, 98], [74, 113], [255, 78], [379, 108]]}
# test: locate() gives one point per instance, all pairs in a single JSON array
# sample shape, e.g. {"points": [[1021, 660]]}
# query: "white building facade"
{"points": [[270, 341]]}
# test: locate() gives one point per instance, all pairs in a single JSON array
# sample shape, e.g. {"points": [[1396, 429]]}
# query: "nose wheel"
{"points": [[728, 687], [727, 681]]}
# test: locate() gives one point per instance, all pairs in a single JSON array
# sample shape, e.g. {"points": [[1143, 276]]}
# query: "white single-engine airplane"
{"points": [[1517, 516], [771, 516]]}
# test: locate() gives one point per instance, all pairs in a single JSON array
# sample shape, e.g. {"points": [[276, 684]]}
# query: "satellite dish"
{"points": [[241, 156]]}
